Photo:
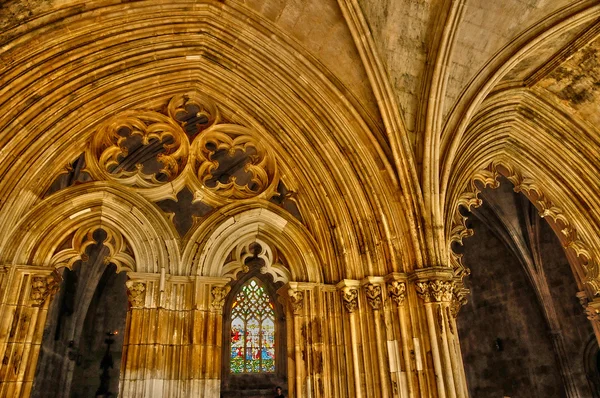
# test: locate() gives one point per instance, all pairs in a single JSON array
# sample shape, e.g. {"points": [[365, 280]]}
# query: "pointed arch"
{"points": [[210, 245], [151, 237], [543, 152], [347, 182]]}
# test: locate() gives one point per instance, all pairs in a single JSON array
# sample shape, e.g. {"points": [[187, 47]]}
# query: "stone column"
{"points": [[404, 361], [207, 336], [297, 384], [349, 291], [26, 294], [435, 290], [172, 345], [374, 293]]}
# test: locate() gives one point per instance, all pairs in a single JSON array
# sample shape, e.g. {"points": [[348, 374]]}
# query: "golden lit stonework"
{"points": [[191, 146]]}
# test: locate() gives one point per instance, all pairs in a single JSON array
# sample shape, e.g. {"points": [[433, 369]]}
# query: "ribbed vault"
{"points": [[80, 74]]}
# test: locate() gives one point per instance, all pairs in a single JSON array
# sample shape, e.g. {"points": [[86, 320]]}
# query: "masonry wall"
{"points": [[506, 345]]}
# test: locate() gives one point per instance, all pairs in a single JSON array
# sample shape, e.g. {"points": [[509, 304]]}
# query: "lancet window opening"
{"points": [[252, 330]]}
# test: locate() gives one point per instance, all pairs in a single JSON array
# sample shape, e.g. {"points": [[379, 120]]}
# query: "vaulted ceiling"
{"points": [[431, 93]]}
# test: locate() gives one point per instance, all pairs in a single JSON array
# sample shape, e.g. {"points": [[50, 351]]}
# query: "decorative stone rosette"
{"points": [[158, 154]]}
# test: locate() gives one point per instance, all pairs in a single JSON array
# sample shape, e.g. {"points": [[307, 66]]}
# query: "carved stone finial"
{"points": [[218, 294], [43, 287], [435, 290], [136, 292], [397, 291], [350, 298], [296, 298], [373, 292]]}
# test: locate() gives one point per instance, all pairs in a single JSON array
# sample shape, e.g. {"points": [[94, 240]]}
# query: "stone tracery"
{"points": [[190, 146]]}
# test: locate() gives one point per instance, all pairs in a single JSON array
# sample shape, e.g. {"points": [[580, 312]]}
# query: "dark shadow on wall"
{"points": [[523, 331], [92, 301]]}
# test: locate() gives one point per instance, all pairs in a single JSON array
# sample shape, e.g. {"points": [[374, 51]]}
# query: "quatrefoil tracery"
{"points": [[157, 155]]}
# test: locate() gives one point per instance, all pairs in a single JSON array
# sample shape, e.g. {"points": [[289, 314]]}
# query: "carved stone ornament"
{"points": [[218, 297], [459, 298], [136, 292], [591, 308], [350, 298], [296, 300], [568, 236], [189, 144], [593, 314], [397, 291], [434, 290], [84, 237], [42, 287], [373, 292]]}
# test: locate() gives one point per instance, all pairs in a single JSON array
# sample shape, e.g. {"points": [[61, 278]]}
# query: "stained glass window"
{"points": [[252, 330]]}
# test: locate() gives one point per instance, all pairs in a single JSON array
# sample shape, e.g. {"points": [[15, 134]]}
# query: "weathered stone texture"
{"points": [[577, 83], [486, 28], [321, 28], [403, 46]]}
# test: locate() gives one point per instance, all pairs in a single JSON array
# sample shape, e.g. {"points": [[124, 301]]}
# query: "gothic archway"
{"points": [[251, 360]]}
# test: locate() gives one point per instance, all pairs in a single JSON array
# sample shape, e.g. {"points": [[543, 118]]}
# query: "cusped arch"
{"points": [[578, 250], [209, 247], [151, 238], [546, 154]]}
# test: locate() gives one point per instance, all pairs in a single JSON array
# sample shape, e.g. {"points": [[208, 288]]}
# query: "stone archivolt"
{"points": [[581, 258]]}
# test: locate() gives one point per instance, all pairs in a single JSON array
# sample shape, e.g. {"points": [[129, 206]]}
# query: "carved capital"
{"points": [[218, 297], [590, 307], [350, 298], [435, 290], [459, 298], [397, 291], [593, 314], [43, 287], [373, 292], [296, 299], [136, 292]]}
